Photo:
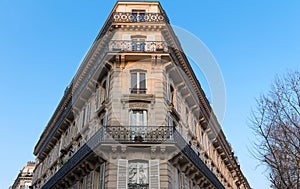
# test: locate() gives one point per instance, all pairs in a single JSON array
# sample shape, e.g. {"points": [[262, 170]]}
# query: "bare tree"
{"points": [[276, 123]]}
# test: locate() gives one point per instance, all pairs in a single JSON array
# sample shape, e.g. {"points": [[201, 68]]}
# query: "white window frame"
{"points": [[138, 78], [144, 117]]}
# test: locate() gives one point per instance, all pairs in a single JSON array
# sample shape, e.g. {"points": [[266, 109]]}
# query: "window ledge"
{"points": [[148, 98]]}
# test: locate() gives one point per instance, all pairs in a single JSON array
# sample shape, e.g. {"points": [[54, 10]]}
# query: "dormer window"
{"points": [[138, 15]]}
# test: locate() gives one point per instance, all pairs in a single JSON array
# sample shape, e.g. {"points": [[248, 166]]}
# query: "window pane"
{"points": [[133, 82], [142, 81], [137, 118]]}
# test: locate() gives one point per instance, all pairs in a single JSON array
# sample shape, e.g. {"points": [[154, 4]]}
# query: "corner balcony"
{"points": [[138, 17], [139, 134], [137, 46]]}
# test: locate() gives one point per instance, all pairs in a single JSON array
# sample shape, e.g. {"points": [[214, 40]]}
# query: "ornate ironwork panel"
{"points": [[137, 46], [134, 17], [138, 186], [139, 134]]}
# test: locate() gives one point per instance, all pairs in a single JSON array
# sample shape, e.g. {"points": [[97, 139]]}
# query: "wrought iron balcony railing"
{"points": [[138, 186], [138, 17], [137, 46], [127, 134], [138, 90], [139, 134]]}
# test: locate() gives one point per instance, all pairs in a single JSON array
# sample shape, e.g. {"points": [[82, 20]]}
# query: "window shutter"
{"points": [[178, 103], [176, 178], [182, 181], [89, 110], [75, 129], [84, 183], [171, 121], [191, 184], [106, 87], [91, 180], [76, 186], [87, 114], [101, 176], [169, 92], [97, 98], [122, 174], [81, 118], [130, 118], [104, 119], [154, 182]]}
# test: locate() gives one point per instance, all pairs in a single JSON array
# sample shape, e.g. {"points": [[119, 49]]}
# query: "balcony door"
{"points": [[138, 15], [138, 123], [138, 43]]}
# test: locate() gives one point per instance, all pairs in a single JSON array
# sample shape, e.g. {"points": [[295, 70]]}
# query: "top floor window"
{"points": [[138, 15], [138, 82]]}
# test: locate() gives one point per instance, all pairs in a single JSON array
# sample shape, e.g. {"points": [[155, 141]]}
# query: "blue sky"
{"points": [[43, 42]]}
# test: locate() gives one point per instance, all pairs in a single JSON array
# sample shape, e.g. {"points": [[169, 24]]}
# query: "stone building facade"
{"points": [[135, 116], [24, 178]]}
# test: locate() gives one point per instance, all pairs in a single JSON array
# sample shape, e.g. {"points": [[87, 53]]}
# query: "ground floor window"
{"points": [[138, 174], [141, 174]]}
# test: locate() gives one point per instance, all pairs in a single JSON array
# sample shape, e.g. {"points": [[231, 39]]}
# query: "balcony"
{"points": [[139, 134], [137, 46], [137, 17]]}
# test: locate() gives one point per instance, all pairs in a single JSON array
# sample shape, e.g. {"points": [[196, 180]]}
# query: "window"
{"points": [[138, 15], [103, 119], [171, 121], [138, 118], [171, 94], [138, 83], [137, 174], [141, 174], [102, 92], [138, 45]]}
